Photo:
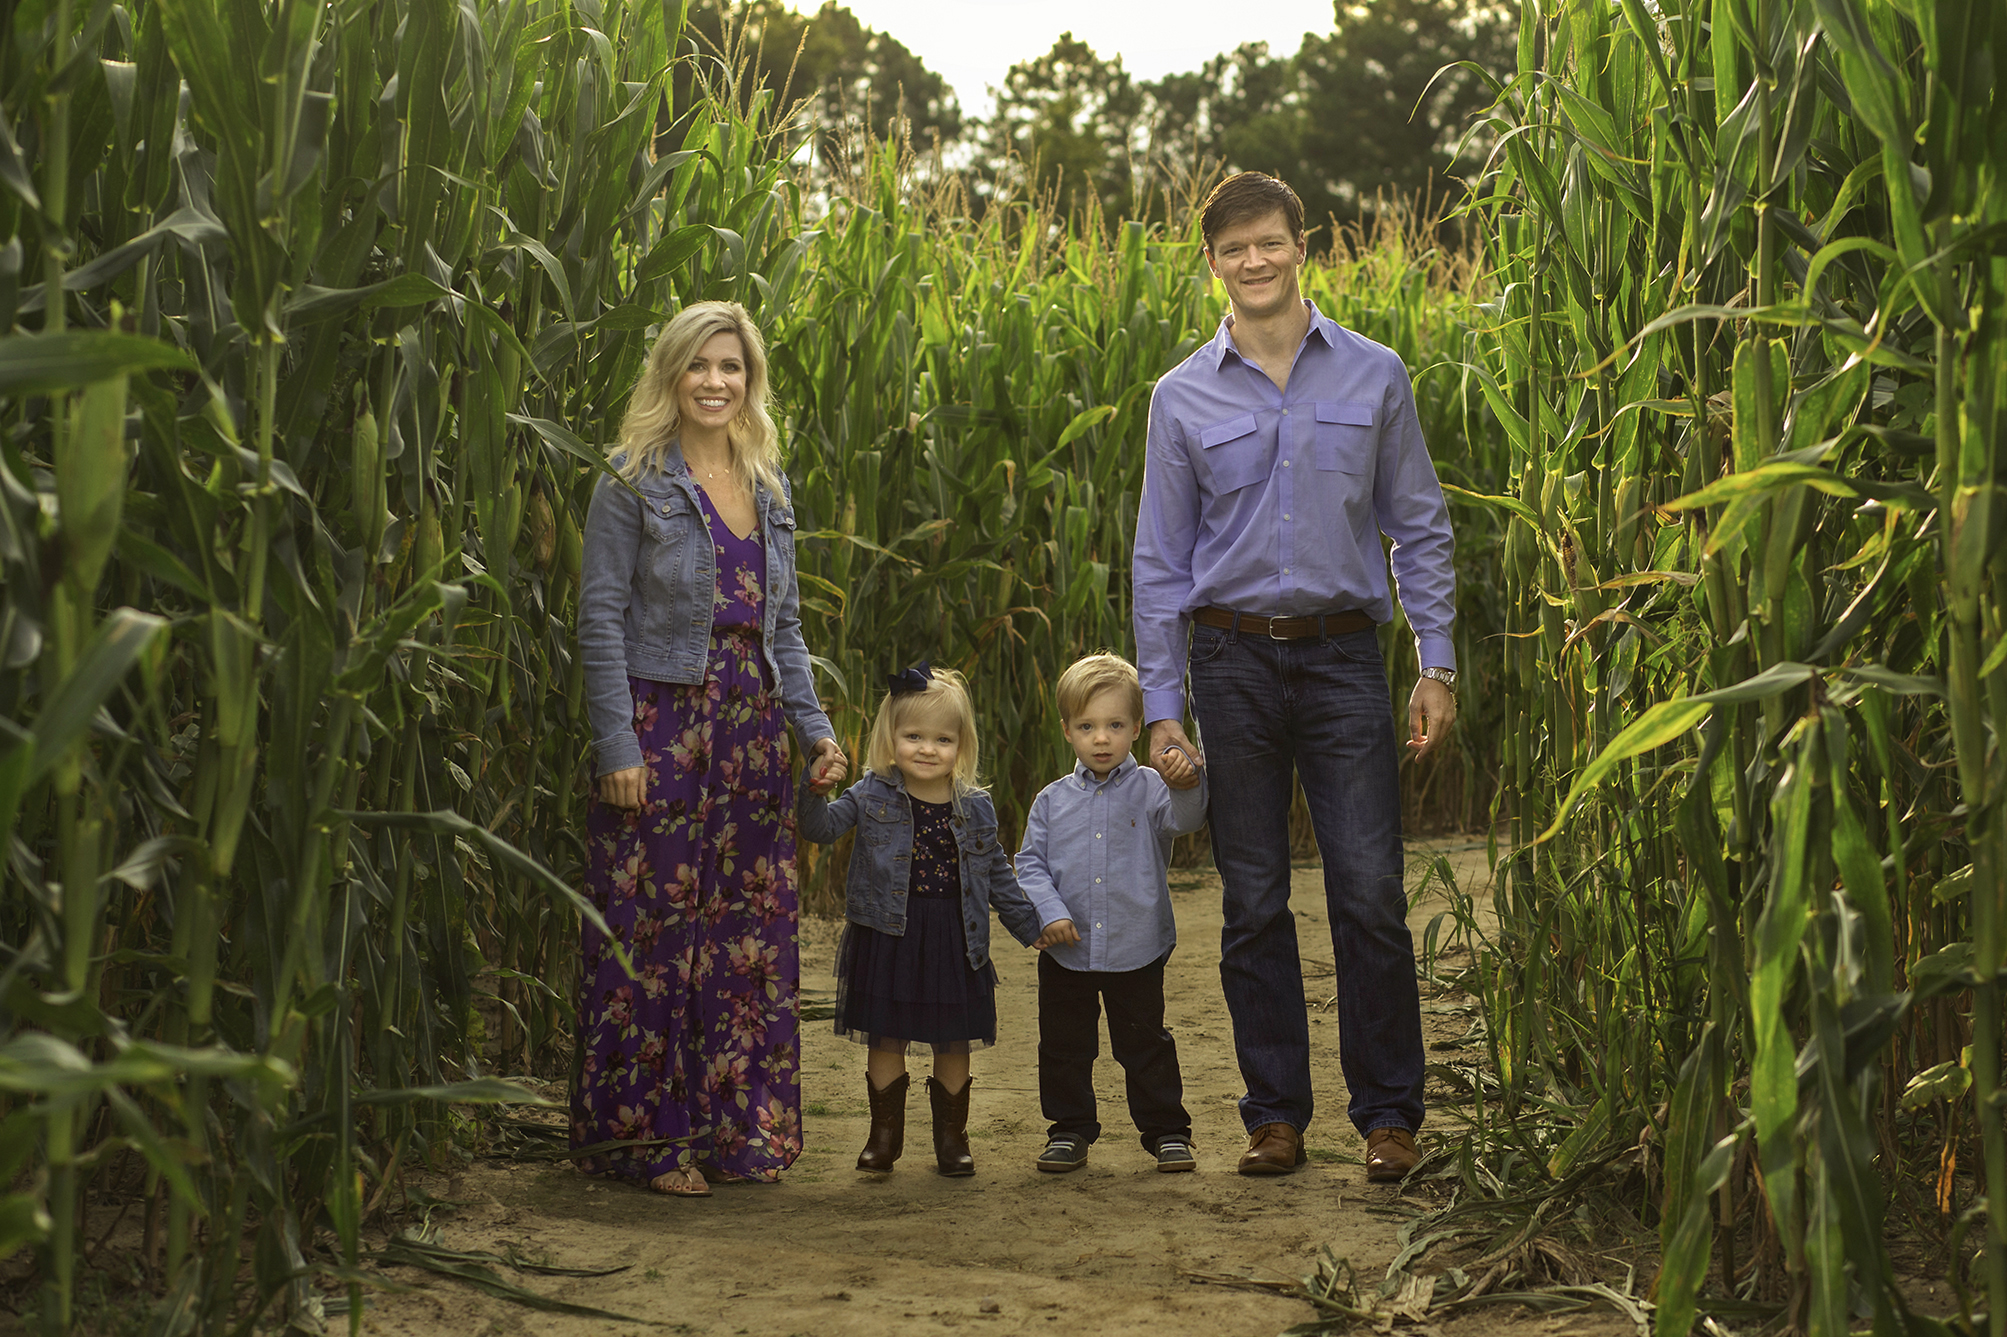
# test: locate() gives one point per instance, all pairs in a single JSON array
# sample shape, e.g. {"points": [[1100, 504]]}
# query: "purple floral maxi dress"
{"points": [[700, 887]]}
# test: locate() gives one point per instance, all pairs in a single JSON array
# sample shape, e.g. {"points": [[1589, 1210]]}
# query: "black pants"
{"points": [[1069, 1040]]}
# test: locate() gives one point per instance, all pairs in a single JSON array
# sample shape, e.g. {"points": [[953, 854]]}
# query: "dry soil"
{"points": [[1105, 1250]]}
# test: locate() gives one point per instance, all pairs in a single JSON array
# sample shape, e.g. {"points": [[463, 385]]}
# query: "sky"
{"points": [[973, 43]]}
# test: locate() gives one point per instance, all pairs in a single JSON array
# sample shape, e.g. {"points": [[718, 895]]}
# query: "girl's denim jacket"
{"points": [[881, 862], [644, 604]]}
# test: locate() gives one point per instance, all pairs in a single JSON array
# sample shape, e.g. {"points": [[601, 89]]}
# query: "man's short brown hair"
{"points": [[1246, 196], [1087, 678]]}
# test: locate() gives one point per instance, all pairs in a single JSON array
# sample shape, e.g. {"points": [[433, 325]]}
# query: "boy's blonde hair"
{"points": [[946, 698], [655, 416], [1086, 678]]}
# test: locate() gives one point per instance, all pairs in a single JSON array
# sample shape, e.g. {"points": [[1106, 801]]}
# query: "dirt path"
{"points": [[829, 1251]]}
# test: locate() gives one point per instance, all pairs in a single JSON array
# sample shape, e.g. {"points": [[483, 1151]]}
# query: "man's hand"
{"points": [[624, 789], [1431, 712], [1177, 768], [827, 766], [1059, 933]]}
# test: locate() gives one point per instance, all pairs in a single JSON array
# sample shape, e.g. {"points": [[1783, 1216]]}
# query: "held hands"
{"points": [[1059, 933], [1431, 712], [1171, 753], [827, 766]]}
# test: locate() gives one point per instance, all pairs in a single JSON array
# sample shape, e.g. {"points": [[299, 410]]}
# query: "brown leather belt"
{"points": [[1284, 628]]}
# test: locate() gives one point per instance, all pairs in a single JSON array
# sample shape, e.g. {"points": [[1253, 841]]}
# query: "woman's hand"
{"points": [[624, 789], [827, 766]]}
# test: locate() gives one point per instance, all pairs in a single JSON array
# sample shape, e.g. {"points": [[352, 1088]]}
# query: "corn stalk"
{"points": [[1748, 357]]}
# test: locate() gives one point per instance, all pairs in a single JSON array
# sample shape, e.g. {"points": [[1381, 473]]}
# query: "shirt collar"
{"points": [[1321, 326], [1116, 776]]}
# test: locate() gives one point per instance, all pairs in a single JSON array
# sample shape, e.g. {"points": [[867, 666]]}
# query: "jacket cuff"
{"points": [[619, 753]]}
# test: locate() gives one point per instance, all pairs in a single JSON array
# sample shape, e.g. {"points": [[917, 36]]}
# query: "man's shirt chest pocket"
{"points": [[1345, 437], [1235, 453]]}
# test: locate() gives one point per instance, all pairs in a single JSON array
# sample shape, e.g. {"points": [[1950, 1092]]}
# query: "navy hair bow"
{"points": [[914, 679]]}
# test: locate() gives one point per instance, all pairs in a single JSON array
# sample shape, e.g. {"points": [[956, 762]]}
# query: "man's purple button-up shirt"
{"points": [[1272, 502]]}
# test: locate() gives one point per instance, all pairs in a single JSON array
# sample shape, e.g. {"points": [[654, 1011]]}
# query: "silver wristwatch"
{"points": [[1447, 677]]}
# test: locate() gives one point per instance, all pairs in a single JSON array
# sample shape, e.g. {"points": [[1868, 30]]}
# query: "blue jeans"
{"points": [[1319, 708]]}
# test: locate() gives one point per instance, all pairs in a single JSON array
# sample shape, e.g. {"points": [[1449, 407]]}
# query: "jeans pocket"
{"points": [[1207, 643], [1356, 647]]}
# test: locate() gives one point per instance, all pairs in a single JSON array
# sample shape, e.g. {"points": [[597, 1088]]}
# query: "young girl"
{"points": [[914, 967]]}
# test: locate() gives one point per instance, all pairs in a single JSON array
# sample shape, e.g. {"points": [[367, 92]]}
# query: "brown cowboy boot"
{"points": [[951, 1128], [888, 1124]]}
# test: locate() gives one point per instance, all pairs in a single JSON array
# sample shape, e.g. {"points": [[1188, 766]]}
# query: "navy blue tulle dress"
{"points": [[917, 992]]}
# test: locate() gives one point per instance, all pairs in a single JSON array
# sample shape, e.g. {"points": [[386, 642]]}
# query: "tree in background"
{"points": [[1387, 94], [848, 76], [1072, 123], [1367, 109], [1372, 108], [1239, 109]]}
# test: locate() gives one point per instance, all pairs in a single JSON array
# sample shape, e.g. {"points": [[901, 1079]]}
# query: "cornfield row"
{"points": [[1749, 359], [293, 472]]}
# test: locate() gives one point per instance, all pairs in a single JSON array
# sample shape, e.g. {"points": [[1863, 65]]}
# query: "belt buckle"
{"points": [[1273, 634]]}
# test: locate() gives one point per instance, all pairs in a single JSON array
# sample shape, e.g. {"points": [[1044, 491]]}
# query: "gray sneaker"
{"points": [[1062, 1153], [1174, 1155]]}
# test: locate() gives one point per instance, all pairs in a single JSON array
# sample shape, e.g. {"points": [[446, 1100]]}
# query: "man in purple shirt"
{"points": [[1279, 454]]}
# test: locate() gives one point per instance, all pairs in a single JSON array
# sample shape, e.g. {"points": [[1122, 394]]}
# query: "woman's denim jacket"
{"points": [[646, 587], [881, 862]]}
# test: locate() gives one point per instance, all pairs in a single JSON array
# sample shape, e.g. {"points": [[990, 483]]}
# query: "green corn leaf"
{"points": [[41, 364], [313, 303], [69, 709]]}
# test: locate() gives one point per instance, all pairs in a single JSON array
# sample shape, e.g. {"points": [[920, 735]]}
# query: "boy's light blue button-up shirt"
{"points": [[1272, 502], [1096, 852]]}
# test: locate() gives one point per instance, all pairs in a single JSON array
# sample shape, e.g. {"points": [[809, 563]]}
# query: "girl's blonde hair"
{"points": [[946, 696], [655, 413]]}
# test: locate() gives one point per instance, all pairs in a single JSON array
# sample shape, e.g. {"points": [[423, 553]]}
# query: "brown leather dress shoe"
{"points": [[1390, 1154], [1273, 1149]]}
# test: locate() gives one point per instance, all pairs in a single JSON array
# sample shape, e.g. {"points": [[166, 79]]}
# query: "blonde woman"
{"points": [[690, 636]]}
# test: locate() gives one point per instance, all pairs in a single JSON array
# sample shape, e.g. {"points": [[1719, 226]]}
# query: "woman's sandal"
{"points": [[680, 1184]]}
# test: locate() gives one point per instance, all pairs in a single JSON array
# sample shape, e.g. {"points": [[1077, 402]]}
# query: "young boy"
{"points": [[1096, 845]]}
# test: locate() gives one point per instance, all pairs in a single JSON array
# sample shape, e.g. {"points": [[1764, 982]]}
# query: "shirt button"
{"points": [[1285, 570], [1285, 413], [1285, 464], [1285, 515], [1097, 880], [1097, 835]]}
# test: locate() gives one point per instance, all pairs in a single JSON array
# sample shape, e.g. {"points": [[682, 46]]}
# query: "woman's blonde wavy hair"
{"points": [[945, 698], [655, 417]]}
